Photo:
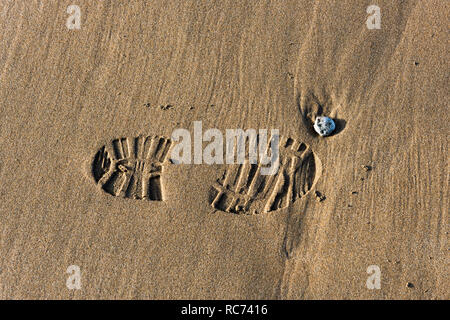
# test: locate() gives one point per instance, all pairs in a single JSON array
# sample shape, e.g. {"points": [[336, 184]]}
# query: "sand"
{"points": [[375, 192]]}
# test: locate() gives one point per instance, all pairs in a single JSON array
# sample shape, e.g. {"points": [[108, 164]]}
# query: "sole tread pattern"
{"points": [[132, 168]]}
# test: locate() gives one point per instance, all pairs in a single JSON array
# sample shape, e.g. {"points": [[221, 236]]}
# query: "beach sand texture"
{"points": [[81, 111]]}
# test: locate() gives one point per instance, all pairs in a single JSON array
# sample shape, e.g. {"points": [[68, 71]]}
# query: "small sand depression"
{"points": [[243, 190]]}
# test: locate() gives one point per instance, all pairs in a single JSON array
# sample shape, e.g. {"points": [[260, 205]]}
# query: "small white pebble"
{"points": [[324, 126]]}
